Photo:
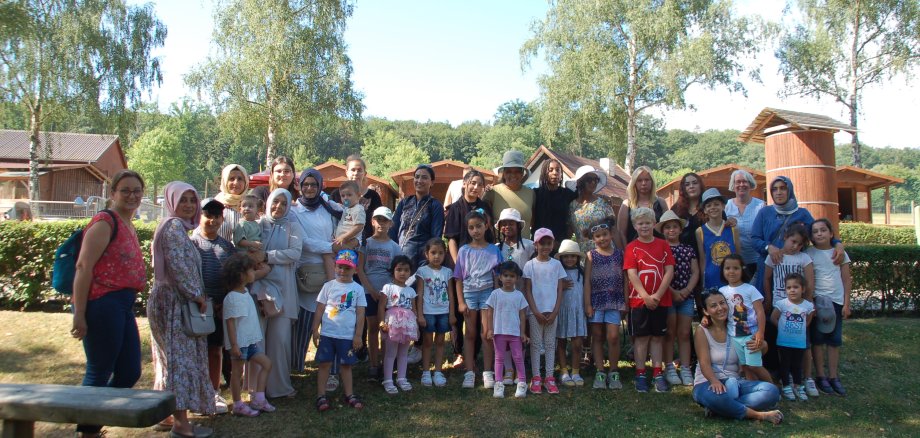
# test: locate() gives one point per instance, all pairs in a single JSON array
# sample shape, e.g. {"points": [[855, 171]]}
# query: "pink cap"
{"points": [[541, 233]]}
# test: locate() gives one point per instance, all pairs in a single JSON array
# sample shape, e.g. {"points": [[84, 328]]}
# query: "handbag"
{"points": [[310, 279], [269, 297], [194, 323]]}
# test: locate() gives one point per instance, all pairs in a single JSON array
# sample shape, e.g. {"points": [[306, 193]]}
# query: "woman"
{"points": [[110, 271], [234, 182], [281, 177], [281, 239], [511, 192], [419, 217], [588, 209], [356, 170], [743, 209], [718, 385], [552, 197], [180, 362], [689, 207], [640, 193], [474, 183]]}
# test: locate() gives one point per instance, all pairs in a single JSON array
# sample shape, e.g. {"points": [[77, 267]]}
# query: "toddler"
{"points": [[398, 305], [504, 326], [543, 285]]}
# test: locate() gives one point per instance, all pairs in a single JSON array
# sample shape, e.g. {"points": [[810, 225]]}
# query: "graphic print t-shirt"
{"points": [[649, 259], [742, 319], [342, 301], [436, 281], [793, 322], [792, 263]]}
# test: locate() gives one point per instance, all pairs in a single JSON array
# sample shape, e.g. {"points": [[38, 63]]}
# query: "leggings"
{"points": [[542, 342], [501, 342], [790, 361], [398, 353]]}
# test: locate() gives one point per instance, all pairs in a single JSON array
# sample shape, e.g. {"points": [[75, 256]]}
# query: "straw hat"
{"points": [[569, 247], [585, 170], [669, 216]]}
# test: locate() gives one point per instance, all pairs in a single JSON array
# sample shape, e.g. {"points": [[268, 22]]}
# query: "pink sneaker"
{"points": [[550, 385], [536, 385], [243, 410], [263, 406]]}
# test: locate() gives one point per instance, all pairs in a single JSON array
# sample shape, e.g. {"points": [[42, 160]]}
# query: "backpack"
{"points": [[65, 259]]}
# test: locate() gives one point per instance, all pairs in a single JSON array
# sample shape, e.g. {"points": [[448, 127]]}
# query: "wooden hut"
{"points": [[334, 175], [617, 179], [854, 193], [445, 171], [717, 177], [801, 147]]}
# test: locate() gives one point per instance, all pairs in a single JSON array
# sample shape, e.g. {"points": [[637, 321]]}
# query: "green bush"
{"points": [[27, 255], [886, 278], [869, 234]]}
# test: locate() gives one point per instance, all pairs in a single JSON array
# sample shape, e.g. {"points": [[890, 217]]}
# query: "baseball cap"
{"points": [[541, 233], [212, 206], [383, 212], [347, 257], [826, 316]]}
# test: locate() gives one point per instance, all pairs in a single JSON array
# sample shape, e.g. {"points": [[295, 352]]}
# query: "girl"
{"points": [[436, 308], [242, 333], [832, 282], [551, 197], [715, 239], [604, 299], [543, 285], [641, 192], [399, 307], [474, 184], [512, 245], [791, 316], [747, 316], [680, 315], [572, 322], [475, 280], [504, 325]]}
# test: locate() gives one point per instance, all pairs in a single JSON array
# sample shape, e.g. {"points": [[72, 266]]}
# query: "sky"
{"points": [[454, 61]]}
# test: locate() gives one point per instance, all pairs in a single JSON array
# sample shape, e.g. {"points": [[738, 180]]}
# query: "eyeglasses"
{"points": [[135, 192], [599, 227]]}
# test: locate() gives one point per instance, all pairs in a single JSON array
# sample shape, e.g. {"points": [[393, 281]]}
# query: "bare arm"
{"points": [[487, 322], [317, 318], [362, 275], [774, 317], [453, 247], [810, 282], [231, 334], [522, 316], [694, 278], [665, 281], [761, 324], [589, 311], [847, 288], [623, 220], [359, 329], [95, 240], [768, 287]]}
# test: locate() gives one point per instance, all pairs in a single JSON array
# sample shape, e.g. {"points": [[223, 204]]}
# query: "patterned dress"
{"points": [[684, 257], [583, 216], [607, 281], [179, 361]]}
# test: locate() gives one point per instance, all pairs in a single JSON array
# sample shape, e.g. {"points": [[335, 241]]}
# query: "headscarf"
{"points": [[791, 205], [229, 200], [268, 205], [172, 193], [316, 201]]}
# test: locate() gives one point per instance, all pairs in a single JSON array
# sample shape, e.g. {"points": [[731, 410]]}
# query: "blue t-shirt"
{"points": [[475, 267], [793, 322], [213, 254]]}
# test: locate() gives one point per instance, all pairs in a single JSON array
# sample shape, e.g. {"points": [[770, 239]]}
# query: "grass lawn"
{"points": [[881, 360]]}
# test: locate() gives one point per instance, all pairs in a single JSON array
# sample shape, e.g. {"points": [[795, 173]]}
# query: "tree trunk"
{"points": [[270, 137], [631, 115], [854, 90], [34, 145]]}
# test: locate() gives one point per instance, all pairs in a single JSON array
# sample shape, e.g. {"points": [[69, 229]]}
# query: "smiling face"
{"points": [[514, 177], [422, 181], [127, 194], [188, 205], [473, 188], [742, 186], [509, 228], [645, 227], [309, 188], [569, 260], [821, 234], [716, 308], [602, 237], [210, 222], [282, 175], [236, 182], [714, 209], [250, 210], [278, 207], [671, 231], [544, 246]]}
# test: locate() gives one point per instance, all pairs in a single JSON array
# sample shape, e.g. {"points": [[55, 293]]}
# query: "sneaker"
{"points": [[550, 385], [439, 379], [404, 384], [823, 384], [566, 380], [661, 385], [800, 393], [613, 380], [686, 377], [469, 379], [788, 393], [426, 378], [263, 406], [488, 379], [810, 387], [332, 384], [536, 385], [838, 387], [415, 355], [220, 405], [389, 387], [670, 374], [508, 378], [641, 383], [498, 390], [600, 380], [243, 410], [521, 390], [577, 380]]}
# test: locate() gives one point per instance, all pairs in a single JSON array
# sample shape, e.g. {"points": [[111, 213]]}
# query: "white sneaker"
{"points": [[521, 391], [415, 355], [439, 379], [404, 384], [686, 377], [426, 378], [670, 374], [469, 379], [498, 390], [800, 393], [508, 379], [220, 404], [810, 388], [488, 379]]}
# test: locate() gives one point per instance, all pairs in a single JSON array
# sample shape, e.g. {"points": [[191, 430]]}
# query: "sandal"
{"points": [[322, 403], [354, 401]]}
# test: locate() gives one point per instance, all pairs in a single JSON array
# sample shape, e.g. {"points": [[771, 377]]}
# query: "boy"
{"points": [[342, 303], [649, 264], [247, 232]]}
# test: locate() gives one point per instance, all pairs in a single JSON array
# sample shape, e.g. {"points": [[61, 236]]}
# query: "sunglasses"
{"points": [[599, 227]]}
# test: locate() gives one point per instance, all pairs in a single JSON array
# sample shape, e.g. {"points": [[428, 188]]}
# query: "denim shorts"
{"points": [[249, 352], [476, 300], [684, 308], [331, 348], [437, 323], [832, 339], [608, 316]]}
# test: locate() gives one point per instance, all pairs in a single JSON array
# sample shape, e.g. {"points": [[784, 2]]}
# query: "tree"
{"points": [[610, 61], [386, 153], [502, 138], [66, 54], [159, 157], [283, 61], [845, 46], [515, 113]]}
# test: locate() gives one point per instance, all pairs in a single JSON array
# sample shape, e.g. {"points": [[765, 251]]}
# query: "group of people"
{"points": [[556, 268]]}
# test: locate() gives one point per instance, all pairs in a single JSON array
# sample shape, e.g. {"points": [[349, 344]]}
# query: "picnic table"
{"points": [[21, 405]]}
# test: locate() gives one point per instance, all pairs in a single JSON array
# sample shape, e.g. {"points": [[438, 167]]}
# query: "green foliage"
{"points": [[867, 234], [27, 255], [386, 152], [158, 156], [501, 138], [885, 278]]}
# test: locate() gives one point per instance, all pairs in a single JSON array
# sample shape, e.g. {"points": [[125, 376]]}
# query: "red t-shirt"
{"points": [[122, 263], [649, 259]]}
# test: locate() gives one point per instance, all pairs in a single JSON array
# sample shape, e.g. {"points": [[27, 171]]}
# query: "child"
{"points": [[680, 315], [399, 324], [247, 233], [503, 318], [374, 261], [792, 316], [748, 318], [572, 322], [833, 283], [341, 302], [716, 239], [436, 308], [351, 225], [242, 334], [513, 247], [605, 299], [475, 280], [543, 285], [650, 266]]}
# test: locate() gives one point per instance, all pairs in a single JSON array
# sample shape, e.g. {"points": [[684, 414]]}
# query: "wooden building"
{"points": [[334, 175], [445, 171], [717, 177], [617, 178], [854, 193]]}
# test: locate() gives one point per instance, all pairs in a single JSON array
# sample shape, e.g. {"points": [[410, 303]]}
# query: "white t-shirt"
{"points": [[399, 296], [351, 216], [342, 301], [436, 291], [506, 315], [544, 281], [828, 281], [519, 253], [793, 322], [742, 317], [792, 263], [241, 307]]}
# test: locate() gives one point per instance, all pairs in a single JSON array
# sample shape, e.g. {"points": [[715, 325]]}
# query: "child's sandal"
{"points": [[322, 403], [354, 401]]}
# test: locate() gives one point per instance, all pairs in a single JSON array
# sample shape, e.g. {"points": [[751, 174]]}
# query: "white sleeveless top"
{"points": [[722, 367]]}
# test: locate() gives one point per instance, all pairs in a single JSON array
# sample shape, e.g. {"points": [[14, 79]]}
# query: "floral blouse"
{"points": [[585, 215]]}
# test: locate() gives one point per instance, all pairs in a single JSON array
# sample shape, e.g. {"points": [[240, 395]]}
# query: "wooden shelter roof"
{"points": [[772, 120], [616, 184], [331, 168], [64, 146], [868, 178], [407, 174]]}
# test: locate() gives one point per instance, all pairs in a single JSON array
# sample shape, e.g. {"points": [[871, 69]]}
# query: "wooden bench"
{"points": [[21, 405]]}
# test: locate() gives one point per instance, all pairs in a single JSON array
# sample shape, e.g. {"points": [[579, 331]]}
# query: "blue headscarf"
{"points": [[318, 200], [791, 204]]}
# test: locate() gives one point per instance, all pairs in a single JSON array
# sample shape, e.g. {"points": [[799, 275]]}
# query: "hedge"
{"points": [[886, 278], [869, 234]]}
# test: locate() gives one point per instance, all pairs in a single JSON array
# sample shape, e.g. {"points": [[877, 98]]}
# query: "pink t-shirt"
{"points": [[122, 263]]}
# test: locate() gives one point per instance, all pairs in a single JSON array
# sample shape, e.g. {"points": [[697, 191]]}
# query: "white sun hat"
{"points": [[585, 170]]}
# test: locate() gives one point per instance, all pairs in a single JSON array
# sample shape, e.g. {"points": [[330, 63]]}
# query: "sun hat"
{"points": [[585, 170], [826, 316], [383, 212], [509, 214], [347, 257], [669, 216], [569, 247], [541, 233], [711, 193], [513, 159]]}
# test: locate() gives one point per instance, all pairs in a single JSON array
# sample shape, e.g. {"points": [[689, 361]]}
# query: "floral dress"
{"points": [[585, 214], [179, 361]]}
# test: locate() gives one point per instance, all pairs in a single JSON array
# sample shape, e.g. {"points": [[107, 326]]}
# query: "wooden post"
{"points": [[917, 223], [18, 429], [887, 205]]}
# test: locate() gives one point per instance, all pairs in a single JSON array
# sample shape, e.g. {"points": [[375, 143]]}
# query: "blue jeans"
{"points": [[739, 395], [112, 344]]}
